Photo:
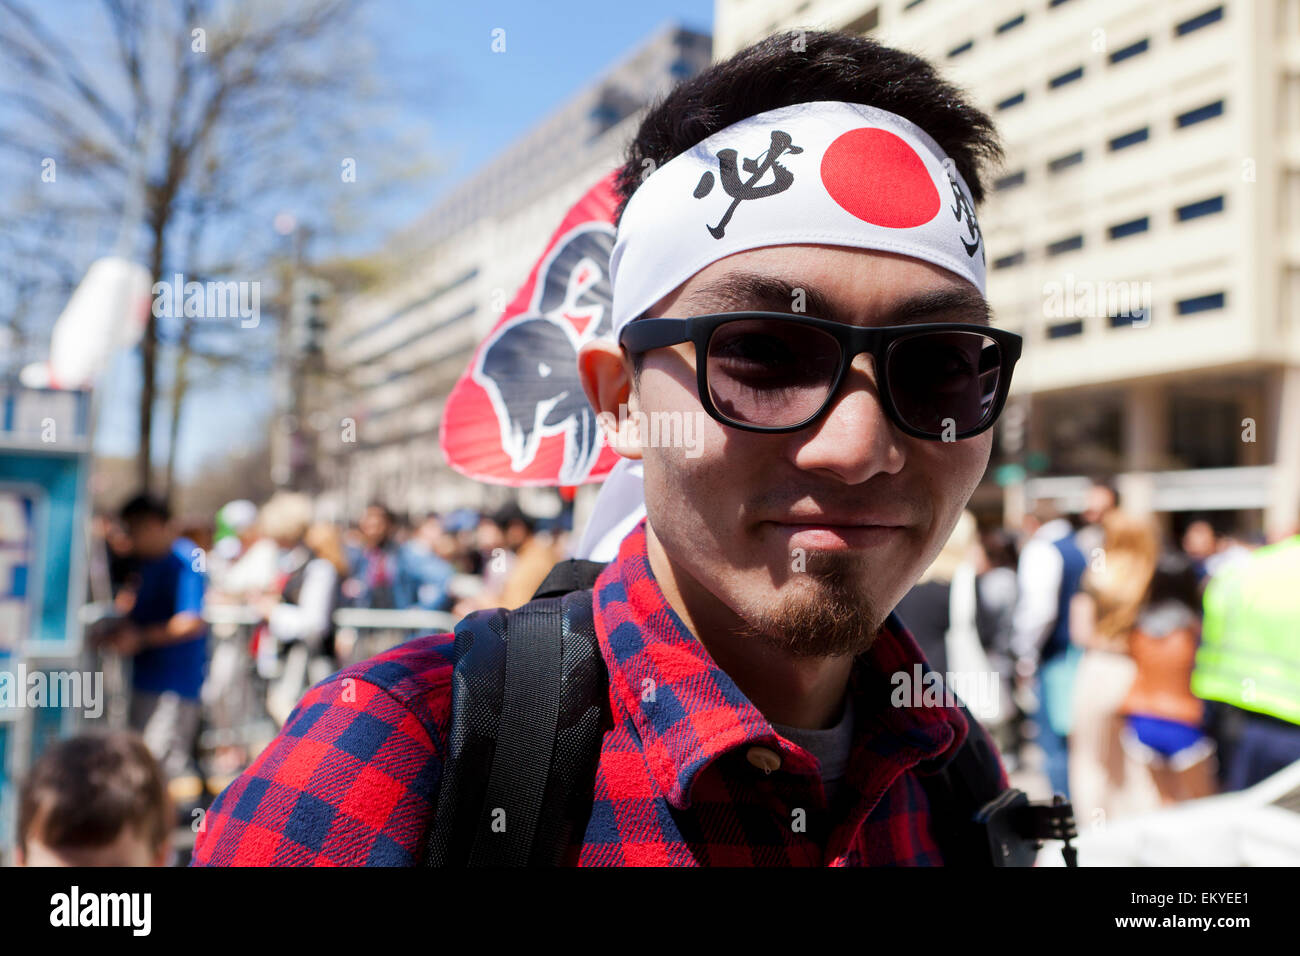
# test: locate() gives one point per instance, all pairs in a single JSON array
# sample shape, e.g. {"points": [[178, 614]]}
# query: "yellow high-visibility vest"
{"points": [[1250, 640]]}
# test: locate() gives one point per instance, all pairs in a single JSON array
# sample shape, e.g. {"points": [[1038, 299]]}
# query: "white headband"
{"points": [[825, 173], [828, 173]]}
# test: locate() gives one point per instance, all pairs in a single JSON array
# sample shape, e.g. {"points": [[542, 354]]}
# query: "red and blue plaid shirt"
{"points": [[352, 778]]}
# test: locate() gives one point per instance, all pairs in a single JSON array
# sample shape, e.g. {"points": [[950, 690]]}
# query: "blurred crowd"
{"points": [[1127, 671], [457, 562], [1133, 671], [281, 576]]}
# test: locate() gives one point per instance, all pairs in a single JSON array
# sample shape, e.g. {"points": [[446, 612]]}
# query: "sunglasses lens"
{"points": [[944, 382], [770, 373]]}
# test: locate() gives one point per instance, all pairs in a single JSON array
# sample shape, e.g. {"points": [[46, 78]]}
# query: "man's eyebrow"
{"points": [[751, 290], [950, 300]]}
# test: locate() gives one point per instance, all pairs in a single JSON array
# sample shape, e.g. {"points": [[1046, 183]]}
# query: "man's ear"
{"points": [[606, 376]]}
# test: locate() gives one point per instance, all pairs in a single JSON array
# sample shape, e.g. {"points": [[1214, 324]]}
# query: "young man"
{"points": [[164, 634], [745, 625], [94, 801]]}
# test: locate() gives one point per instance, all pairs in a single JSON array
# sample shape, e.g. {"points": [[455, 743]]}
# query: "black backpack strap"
{"points": [[978, 822], [575, 574], [530, 714], [529, 707]]}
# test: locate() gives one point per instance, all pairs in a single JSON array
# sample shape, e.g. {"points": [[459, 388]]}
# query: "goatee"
{"points": [[829, 615]]}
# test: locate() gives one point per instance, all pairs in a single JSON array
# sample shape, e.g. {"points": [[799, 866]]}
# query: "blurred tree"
{"points": [[180, 132]]}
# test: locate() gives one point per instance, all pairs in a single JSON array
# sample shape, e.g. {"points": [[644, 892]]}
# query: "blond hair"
{"points": [[326, 542], [1118, 582], [287, 515]]}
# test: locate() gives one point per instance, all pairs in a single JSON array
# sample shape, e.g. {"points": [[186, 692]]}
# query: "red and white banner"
{"points": [[518, 415]]}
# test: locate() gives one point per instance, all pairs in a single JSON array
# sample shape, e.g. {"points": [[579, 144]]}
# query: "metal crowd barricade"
{"points": [[235, 692], [360, 633]]}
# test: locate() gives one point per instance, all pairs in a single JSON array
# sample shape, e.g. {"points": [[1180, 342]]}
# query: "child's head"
{"points": [[96, 800]]}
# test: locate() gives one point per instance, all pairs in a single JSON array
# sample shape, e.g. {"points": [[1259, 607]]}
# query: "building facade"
{"points": [[1143, 236]]}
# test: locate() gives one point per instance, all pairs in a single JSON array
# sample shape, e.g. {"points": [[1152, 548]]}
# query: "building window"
{"points": [[1065, 245], [1132, 227], [1011, 101], [960, 48], [1200, 303], [1006, 262], [1009, 181], [1065, 162], [1067, 77], [1199, 115], [1130, 139], [1063, 330], [1194, 210], [1010, 24], [1133, 49], [1196, 22], [1132, 317]]}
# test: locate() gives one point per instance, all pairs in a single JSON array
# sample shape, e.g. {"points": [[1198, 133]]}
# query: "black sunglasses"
{"points": [[775, 372]]}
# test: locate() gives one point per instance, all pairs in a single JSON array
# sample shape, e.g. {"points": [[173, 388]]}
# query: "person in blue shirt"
{"points": [[164, 634], [372, 583], [422, 574], [1049, 573]]}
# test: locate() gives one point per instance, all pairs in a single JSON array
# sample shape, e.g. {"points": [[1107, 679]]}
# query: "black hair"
{"points": [[1000, 548], [1109, 483], [511, 513], [802, 67], [145, 506], [1175, 579]]}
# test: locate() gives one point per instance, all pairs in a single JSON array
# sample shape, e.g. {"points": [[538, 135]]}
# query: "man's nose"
{"points": [[854, 439]]}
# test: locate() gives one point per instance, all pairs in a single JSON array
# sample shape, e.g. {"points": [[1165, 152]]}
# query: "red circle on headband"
{"points": [[875, 175]]}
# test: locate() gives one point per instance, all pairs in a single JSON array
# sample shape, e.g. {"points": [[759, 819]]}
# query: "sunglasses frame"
{"points": [[642, 335]]}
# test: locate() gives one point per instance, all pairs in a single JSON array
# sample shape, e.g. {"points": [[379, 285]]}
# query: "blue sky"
{"points": [[475, 103], [480, 101]]}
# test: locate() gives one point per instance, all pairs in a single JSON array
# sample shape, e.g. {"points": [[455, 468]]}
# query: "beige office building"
{"points": [[1143, 236]]}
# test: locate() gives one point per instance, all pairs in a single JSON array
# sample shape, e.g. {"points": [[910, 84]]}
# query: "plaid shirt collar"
{"points": [[688, 712]]}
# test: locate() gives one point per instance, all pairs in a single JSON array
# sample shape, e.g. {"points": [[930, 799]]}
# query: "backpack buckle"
{"points": [[1015, 828]]}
